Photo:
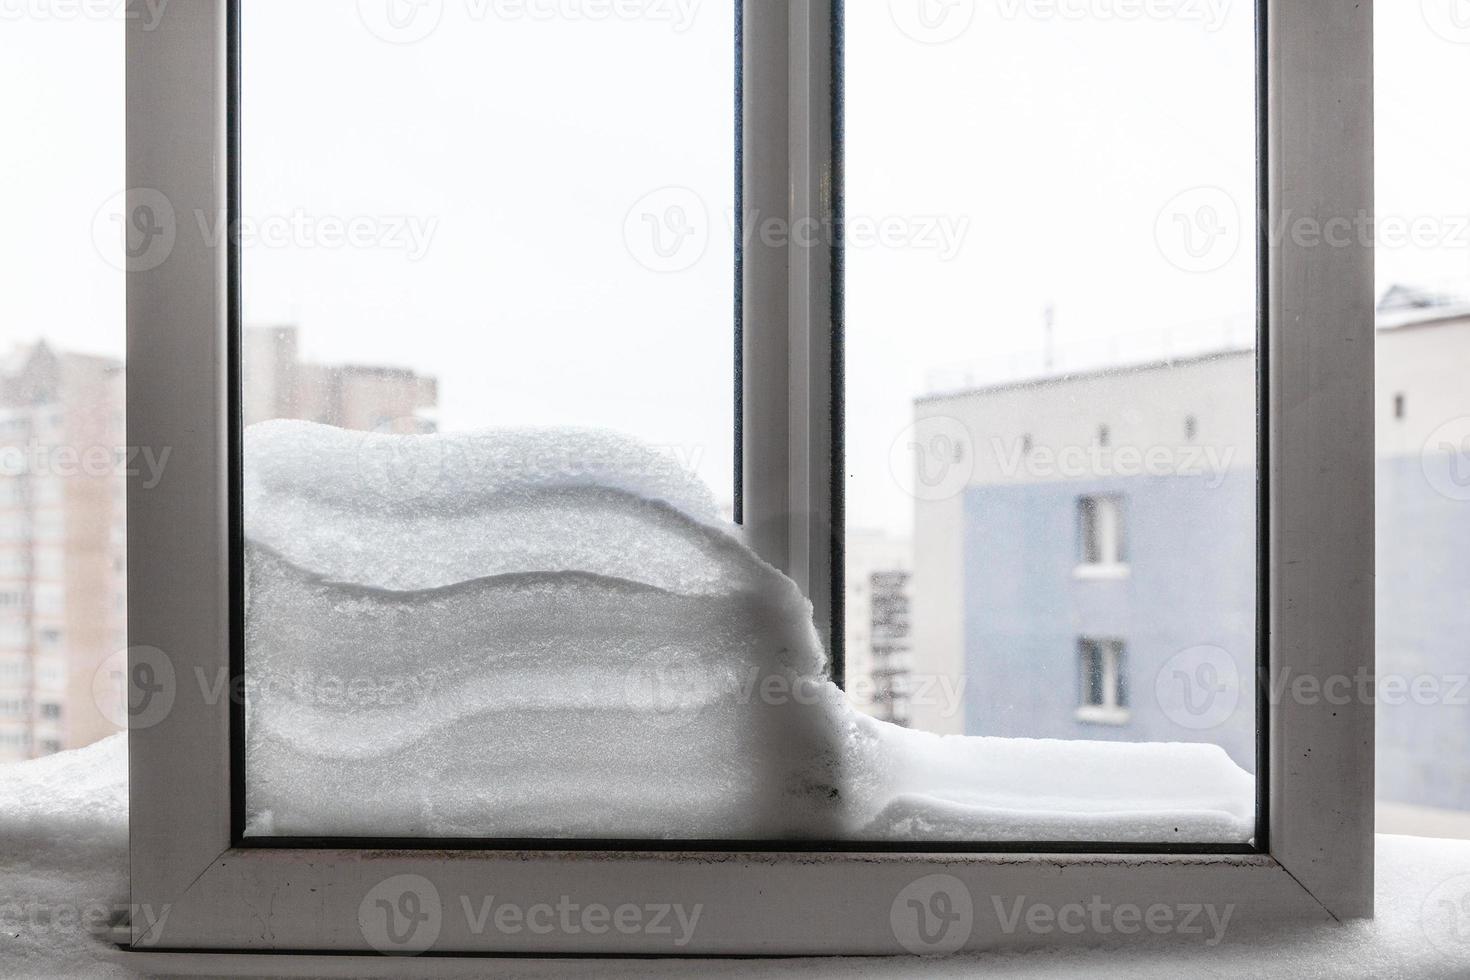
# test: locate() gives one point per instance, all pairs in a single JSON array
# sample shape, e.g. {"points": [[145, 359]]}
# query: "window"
{"points": [[228, 854], [1101, 535], [1104, 683]]}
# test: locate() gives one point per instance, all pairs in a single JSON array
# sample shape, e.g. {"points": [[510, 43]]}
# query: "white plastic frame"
{"points": [[1319, 381]]}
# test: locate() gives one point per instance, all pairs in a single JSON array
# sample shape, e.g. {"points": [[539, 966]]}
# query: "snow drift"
{"points": [[551, 634]]}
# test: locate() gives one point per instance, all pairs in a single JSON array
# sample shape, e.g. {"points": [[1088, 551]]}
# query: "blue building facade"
{"points": [[1423, 612], [1187, 582]]}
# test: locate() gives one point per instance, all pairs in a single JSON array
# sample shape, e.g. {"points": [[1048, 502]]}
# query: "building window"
{"points": [[1104, 436], [1191, 428], [1104, 694], [51, 712], [1398, 406], [1100, 536]]}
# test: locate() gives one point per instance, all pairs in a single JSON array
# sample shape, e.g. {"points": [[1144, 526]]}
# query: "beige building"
{"points": [[63, 469], [371, 399], [63, 584]]}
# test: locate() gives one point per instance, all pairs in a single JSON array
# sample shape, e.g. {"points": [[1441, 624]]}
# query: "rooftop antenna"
{"points": [[1049, 325]]}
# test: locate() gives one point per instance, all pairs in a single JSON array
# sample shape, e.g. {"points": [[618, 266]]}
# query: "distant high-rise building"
{"points": [[877, 642], [63, 585], [371, 399], [63, 533]]}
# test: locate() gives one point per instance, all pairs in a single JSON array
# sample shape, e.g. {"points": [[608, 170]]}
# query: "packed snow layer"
{"points": [[64, 864], [551, 634], [63, 860]]}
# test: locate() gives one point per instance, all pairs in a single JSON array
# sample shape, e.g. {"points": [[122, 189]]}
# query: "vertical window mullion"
{"points": [[787, 226]]}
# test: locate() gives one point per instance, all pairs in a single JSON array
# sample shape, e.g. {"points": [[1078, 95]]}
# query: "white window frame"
{"points": [[1107, 522], [1111, 655], [1316, 856]]}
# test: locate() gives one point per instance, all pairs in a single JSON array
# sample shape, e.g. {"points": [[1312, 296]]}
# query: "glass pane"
{"points": [[1051, 397], [1422, 413], [487, 259], [63, 459]]}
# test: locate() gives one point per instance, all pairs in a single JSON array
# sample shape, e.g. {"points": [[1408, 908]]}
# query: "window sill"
{"points": [[1103, 716], [1102, 573]]}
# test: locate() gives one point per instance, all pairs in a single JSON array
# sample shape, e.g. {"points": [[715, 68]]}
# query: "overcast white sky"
{"points": [[1030, 160]]}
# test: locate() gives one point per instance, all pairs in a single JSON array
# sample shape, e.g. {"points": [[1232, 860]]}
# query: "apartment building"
{"points": [[63, 466], [877, 642], [279, 385], [1095, 578], [63, 584]]}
